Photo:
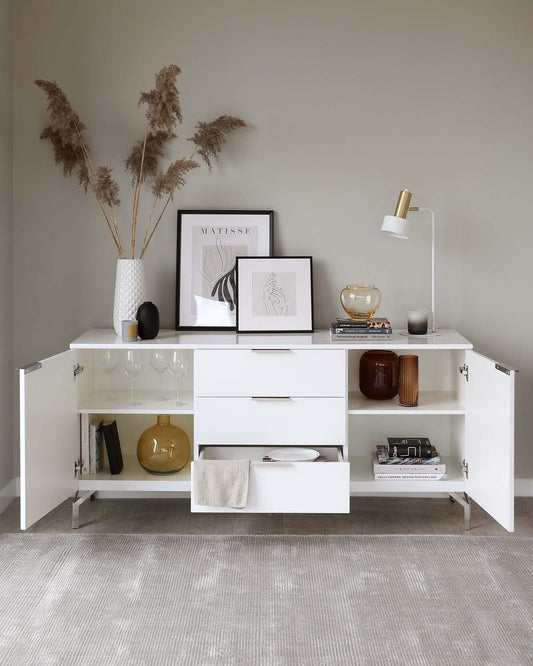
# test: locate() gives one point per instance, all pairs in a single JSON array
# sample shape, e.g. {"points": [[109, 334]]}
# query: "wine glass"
{"points": [[131, 366], [178, 366], [159, 362], [107, 359]]}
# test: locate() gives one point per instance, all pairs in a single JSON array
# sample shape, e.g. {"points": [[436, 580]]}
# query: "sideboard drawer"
{"points": [[270, 372], [270, 421], [303, 487]]}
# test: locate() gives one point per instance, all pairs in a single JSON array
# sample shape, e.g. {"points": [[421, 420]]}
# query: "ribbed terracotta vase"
{"points": [[130, 291], [408, 389]]}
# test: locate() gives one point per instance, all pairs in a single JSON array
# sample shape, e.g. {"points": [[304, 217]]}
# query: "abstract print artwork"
{"points": [[274, 294], [209, 243]]}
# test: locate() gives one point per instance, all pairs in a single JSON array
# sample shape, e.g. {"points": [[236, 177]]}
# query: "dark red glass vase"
{"points": [[378, 374]]}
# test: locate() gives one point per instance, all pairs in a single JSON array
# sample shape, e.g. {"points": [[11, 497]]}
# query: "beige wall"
{"points": [[6, 243], [348, 101]]}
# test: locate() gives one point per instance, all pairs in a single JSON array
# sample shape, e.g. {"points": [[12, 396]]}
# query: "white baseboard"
{"points": [[523, 487], [8, 494]]}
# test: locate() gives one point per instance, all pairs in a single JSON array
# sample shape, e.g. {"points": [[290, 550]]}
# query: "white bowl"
{"points": [[293, 454]]}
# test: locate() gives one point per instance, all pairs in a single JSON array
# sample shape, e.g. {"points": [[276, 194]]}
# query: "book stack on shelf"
{"points": [[408, 458], [376, 328]]}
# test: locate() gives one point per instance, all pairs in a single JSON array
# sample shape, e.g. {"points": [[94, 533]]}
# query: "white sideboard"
{"points": [[246, 393]]}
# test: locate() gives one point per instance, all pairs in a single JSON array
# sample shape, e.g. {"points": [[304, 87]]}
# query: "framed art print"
{"points": [[208, 243], [275, 295]]}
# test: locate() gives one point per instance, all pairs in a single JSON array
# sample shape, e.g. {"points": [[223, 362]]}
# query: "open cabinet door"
{"points": [[49, 436], [489, 437]]}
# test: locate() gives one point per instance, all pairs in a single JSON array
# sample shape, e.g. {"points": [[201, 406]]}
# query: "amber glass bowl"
{"points": [[378, 374], [163, 448]]}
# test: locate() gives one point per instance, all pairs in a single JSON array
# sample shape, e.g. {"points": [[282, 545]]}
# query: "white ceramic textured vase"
{"points": [[130, 291]]}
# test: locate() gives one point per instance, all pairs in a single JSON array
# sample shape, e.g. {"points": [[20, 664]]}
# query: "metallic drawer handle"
{"points": [[270, 398], [271, 351]]}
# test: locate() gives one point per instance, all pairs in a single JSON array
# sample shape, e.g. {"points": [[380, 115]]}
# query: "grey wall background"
{"points": [[347, 103], [6, 243]]}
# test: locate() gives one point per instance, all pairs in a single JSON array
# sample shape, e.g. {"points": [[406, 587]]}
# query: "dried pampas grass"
{"points": [[163, 113]]}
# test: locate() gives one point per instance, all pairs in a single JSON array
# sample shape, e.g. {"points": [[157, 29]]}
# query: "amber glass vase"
{"points": [[408, 390], [163, 448], [378, 374]]}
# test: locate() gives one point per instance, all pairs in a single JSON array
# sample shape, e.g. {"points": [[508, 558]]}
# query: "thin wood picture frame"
{"points": [[208, 242]]}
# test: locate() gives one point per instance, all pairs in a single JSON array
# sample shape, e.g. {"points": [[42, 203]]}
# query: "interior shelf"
{"points": [[429, 402], [94, 403], [134, 477], [362, 479]]}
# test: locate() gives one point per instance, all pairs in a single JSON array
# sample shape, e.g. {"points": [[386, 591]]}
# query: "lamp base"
{"points": [[429, 334]]}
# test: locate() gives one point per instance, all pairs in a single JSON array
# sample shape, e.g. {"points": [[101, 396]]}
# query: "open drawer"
{"points": [[293, 487]]}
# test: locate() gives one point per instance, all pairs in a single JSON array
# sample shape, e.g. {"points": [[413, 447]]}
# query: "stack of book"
{"points": [[376, 328], [407, 458]]}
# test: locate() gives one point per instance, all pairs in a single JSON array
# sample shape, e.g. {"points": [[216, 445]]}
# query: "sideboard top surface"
{"points": [[104, 338]]}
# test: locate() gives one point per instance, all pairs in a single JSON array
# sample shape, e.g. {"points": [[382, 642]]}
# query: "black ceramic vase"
{"points": [[148, 320]]}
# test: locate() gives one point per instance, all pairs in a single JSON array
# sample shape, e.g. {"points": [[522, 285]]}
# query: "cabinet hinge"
{"points": [[78, 369], [78, 464], [463, 369], [464, 468]]}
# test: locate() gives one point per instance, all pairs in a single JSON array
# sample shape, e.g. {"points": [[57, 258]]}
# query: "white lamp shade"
{"points": [[396, 226]]}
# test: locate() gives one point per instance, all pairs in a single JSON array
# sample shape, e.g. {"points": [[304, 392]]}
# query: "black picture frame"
{"points": [[291, 290], [190, 267]]}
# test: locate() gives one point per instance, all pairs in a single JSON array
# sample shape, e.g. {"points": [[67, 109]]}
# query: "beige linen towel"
{"points": [[221, 483]]}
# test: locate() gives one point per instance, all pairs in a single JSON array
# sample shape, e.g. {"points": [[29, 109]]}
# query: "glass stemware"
{"points": [[159, 362], [107, 359], [178, 366], [132, 366]]}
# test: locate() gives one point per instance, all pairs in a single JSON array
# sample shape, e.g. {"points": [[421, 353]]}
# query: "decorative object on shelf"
{"points": [[378, 374], [132, 366], [163, 113], [360, 301], [129, 330], [417, 321], [275, 295], [159, 362], [399, 226], [130, 291], [108, 360], [408, 385], [163, 448], [362, 330], [112, 445], [148, 320], [208, 244], [178, 366]]}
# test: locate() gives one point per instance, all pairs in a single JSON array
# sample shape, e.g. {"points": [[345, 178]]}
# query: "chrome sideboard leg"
{"points": [[78, 501], [465, 503]]}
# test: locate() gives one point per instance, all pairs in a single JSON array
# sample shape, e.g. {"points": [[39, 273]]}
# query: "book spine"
{"points": [[369, 336], [95, 447], [112, 444], [85, 448], [418, 477], [409, 469], [410, 451], [341, 330]]}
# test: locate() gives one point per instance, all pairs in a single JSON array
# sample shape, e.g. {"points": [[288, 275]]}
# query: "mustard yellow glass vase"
{"points": [[163, 448]]}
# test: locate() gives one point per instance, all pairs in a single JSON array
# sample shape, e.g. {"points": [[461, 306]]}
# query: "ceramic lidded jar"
{"points": [[379, 374], [163, 448], [360, 301]]}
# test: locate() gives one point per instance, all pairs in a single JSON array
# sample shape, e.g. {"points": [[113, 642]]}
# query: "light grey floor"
{"points": [[368, 516]]}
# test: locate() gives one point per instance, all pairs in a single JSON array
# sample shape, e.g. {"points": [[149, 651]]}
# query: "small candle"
{"points": [[417, 321], [129, 330]]}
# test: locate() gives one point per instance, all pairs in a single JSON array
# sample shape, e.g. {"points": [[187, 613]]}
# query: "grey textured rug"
{"points": [[148, 599]]}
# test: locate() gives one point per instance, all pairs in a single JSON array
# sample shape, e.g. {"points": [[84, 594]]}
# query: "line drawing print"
{"points": [[274, 297], [218, 268]]}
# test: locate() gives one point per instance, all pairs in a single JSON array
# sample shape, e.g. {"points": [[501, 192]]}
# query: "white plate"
{"points": [[295, 454]]}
